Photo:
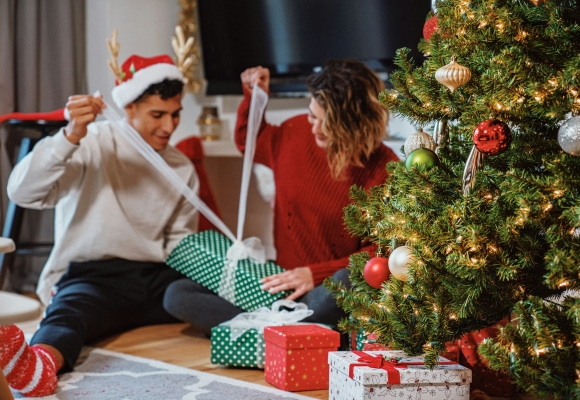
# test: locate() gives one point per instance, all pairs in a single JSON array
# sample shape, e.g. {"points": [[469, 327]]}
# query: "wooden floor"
{"points": [[177, 344]]}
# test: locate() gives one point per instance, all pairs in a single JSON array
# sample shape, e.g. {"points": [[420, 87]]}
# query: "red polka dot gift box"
{"points": [[390, 375], [297, 356]]}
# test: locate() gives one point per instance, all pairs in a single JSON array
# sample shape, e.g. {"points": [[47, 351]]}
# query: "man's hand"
{"points": [[83, 109], [256, 76], [300, 279]]}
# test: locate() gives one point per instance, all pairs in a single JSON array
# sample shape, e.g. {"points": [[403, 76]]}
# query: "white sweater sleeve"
{"points": [[184, 220], [46, 174]]}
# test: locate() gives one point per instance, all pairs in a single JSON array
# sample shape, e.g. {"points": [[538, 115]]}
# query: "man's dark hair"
{"points": [[167, 89]]}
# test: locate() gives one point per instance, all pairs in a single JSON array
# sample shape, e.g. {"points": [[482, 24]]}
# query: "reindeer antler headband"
{"points": [[181, 47], [114, 47], [137, 73]]}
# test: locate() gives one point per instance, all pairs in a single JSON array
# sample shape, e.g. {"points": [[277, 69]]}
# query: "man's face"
{"points": [[155, 119]]}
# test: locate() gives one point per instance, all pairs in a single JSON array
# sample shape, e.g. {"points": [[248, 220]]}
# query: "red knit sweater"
{"points": [[308, 212]]}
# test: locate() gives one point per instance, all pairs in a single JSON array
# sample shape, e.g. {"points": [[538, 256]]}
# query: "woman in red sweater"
{"points": [[316, 158]]}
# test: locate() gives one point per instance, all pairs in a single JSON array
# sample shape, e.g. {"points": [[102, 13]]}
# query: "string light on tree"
{"points": [[453, 75]]}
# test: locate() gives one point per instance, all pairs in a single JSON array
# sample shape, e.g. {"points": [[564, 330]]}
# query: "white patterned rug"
{"points": [[107, 375]]}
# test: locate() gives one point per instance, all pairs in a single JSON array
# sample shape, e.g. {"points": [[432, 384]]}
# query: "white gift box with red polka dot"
{"points": [[354, 376]]}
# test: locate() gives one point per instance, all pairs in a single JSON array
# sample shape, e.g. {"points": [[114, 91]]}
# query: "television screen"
{"points": [[293, 38]]}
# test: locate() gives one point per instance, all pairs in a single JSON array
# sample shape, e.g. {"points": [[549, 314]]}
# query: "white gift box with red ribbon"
{"points": [[378, 375]]}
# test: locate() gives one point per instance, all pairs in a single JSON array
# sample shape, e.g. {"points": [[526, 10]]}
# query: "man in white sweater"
{"points": [[116, 220]]}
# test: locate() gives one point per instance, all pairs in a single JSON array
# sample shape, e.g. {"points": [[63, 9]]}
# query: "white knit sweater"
{"points": [[110, 201]]}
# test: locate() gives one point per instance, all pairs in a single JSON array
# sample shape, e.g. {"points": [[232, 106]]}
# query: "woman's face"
{"points": [[316, 118]]}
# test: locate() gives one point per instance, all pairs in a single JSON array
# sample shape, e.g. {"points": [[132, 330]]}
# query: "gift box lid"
{"points": [[408, 374], [303, 336]]}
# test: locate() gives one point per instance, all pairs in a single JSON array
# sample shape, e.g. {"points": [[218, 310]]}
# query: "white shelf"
{"points": [[226, 148], [220, 148]]}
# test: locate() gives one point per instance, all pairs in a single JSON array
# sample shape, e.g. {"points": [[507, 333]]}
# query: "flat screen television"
{"points": [[293, 38]]}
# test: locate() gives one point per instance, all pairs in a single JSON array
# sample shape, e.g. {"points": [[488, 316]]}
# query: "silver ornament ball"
{"points": [[419, 140], [434, 5], [569, 136], [399, 262]]}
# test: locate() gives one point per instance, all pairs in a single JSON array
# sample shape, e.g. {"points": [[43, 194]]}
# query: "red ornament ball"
{"points": [[492, 137], [430, 27], [377, 271]]}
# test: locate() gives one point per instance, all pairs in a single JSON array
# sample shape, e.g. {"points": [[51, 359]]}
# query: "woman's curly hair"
{"points": [[355, 121]]}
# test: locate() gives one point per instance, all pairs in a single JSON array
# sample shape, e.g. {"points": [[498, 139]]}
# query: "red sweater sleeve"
{"points": [[267, 135]]}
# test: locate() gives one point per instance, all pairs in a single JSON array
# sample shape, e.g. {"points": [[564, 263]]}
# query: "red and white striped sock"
{"points": [[30, 370]]}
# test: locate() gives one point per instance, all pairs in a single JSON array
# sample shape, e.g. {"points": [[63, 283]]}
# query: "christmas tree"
{"points": [[489, 227]]}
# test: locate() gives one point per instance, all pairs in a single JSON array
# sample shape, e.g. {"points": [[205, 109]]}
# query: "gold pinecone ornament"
{"points": [[453, 75]]}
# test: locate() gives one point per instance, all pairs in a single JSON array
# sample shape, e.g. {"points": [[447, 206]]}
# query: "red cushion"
{"points": [[193, 150]]}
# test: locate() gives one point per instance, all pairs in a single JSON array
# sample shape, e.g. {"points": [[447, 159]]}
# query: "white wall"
{"points": [[145, 28]]}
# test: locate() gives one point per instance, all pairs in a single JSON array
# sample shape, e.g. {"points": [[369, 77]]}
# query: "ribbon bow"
{"points": [[379, 362], [250, 248], [264, 316]]}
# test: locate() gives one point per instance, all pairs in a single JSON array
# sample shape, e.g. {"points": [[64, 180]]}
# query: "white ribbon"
{"points": [[263, 317], [252, 247], [249, 248]]}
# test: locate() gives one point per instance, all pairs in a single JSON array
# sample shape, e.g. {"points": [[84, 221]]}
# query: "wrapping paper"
{"points": [[201, 257], [449, 382], [239, 342], [296, 356], [248, 350]]}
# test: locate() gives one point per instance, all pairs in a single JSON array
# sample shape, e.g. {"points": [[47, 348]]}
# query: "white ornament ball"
{"points": [[399, 261], [569, 136], [418, 140]]}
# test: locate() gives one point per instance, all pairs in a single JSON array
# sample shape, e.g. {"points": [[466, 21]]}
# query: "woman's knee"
{"points": [[180, 293], [342, 276]]}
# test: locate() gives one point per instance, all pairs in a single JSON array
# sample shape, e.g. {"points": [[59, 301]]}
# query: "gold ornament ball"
{"points": [[399, 262], [538, 2], [453, 75], [419, 140]]}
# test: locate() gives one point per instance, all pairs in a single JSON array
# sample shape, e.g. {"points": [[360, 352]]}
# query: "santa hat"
{"points": [[138, 73]]}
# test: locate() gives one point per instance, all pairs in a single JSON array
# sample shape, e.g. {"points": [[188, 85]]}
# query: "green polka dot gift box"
{"points": [[202, 257], [248, 350]]}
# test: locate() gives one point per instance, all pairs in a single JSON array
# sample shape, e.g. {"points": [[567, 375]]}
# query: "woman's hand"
{"points": [[300, 279], [256, 76]]}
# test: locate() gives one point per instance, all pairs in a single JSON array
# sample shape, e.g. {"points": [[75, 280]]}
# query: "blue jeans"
{"points": [[96, 299]]}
